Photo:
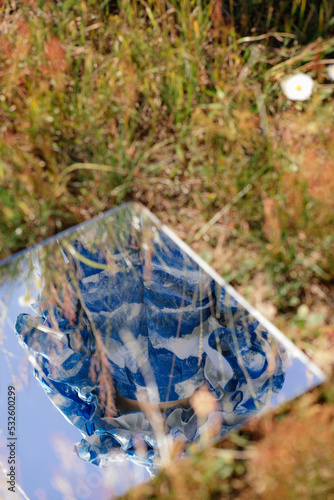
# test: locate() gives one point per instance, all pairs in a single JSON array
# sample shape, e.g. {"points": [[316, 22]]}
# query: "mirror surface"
{"points": [[136, 341]]}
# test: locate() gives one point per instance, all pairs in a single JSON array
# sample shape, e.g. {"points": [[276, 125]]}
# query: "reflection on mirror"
{"points": [[136, 341]]}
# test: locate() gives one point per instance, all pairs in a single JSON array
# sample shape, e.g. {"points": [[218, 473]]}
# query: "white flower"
{"points": [[26, 300], [330, 71], [298, 87]]}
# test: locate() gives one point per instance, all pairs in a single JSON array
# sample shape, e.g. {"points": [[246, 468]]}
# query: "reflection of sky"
{"points": [[47, 467], [43, 434], [298, 379]]}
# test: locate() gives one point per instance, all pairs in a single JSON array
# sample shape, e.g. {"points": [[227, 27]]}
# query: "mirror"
{"points": [[136, 342]]}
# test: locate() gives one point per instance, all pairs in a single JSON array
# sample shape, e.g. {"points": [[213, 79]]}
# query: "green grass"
{"points": [[179, 107], [156, 97]]}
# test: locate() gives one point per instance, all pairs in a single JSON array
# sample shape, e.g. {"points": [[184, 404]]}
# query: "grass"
{"points": [[179, 105]]}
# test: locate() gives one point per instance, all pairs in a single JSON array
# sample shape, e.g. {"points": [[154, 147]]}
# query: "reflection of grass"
{"points": [[159, 103]]}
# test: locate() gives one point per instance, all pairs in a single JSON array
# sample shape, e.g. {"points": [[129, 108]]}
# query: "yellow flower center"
{"points": [[298, 87]]}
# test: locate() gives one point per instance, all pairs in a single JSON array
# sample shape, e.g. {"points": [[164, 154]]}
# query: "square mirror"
{"points": [[116, 339]]}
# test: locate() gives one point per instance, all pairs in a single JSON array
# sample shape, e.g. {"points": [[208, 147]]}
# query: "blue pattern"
{"points": [[150, 315]]}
